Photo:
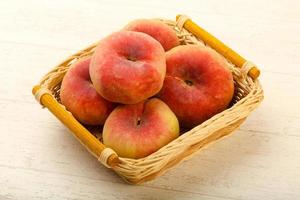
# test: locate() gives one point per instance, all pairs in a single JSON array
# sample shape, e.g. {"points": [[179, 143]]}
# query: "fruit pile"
{"points": [[141, 85]]}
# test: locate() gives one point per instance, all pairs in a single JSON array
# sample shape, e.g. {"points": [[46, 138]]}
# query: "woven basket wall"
{"points": [[248, 94]]}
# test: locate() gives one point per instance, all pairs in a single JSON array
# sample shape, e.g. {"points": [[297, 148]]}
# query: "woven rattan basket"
{"points": [[248, 94]]}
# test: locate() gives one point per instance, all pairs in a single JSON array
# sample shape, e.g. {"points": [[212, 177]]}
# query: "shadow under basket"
{"points": [[248, 95]]}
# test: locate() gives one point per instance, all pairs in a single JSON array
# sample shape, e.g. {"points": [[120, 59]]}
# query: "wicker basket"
{"points": [[248, 94]]}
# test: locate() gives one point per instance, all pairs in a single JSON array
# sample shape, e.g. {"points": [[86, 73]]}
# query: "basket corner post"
{"points": [[254, 72], [35, 89], [178, 16]]}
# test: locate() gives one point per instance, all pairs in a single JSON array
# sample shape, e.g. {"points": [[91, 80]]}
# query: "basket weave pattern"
{"points": [[248, 94]]}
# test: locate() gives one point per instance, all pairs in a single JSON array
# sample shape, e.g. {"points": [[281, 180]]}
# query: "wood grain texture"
{"points": [[39, 159]]}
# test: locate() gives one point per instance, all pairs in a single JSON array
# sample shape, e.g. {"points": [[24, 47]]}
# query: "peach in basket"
{"points": [[248, 94]]}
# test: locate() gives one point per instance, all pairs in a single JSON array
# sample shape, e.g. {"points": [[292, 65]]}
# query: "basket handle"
{"points": [[105, 155], [247, 66]]}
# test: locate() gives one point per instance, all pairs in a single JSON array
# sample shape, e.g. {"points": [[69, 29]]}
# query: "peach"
{"points": [[128, 67], [136, 131], [198, 84], [79, 96], [157, 29]]}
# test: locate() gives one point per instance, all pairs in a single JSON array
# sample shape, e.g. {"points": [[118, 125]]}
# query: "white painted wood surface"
{"points": [[39, 159]]}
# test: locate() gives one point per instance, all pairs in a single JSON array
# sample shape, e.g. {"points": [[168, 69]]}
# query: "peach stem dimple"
{"points": [[138, 122], [189, 82], [131, 58]]}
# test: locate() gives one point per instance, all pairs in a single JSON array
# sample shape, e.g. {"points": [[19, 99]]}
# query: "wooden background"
{"points": [[39, 159]]}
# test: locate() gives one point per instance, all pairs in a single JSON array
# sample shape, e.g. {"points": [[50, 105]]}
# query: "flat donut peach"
{"points": [[198, 84], [137, 130], [79, 96], [158, 30], [128, 67]]}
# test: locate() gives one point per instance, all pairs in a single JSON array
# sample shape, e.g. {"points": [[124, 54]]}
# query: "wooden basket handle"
{"points": [[105, 155], [220, 47]]}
